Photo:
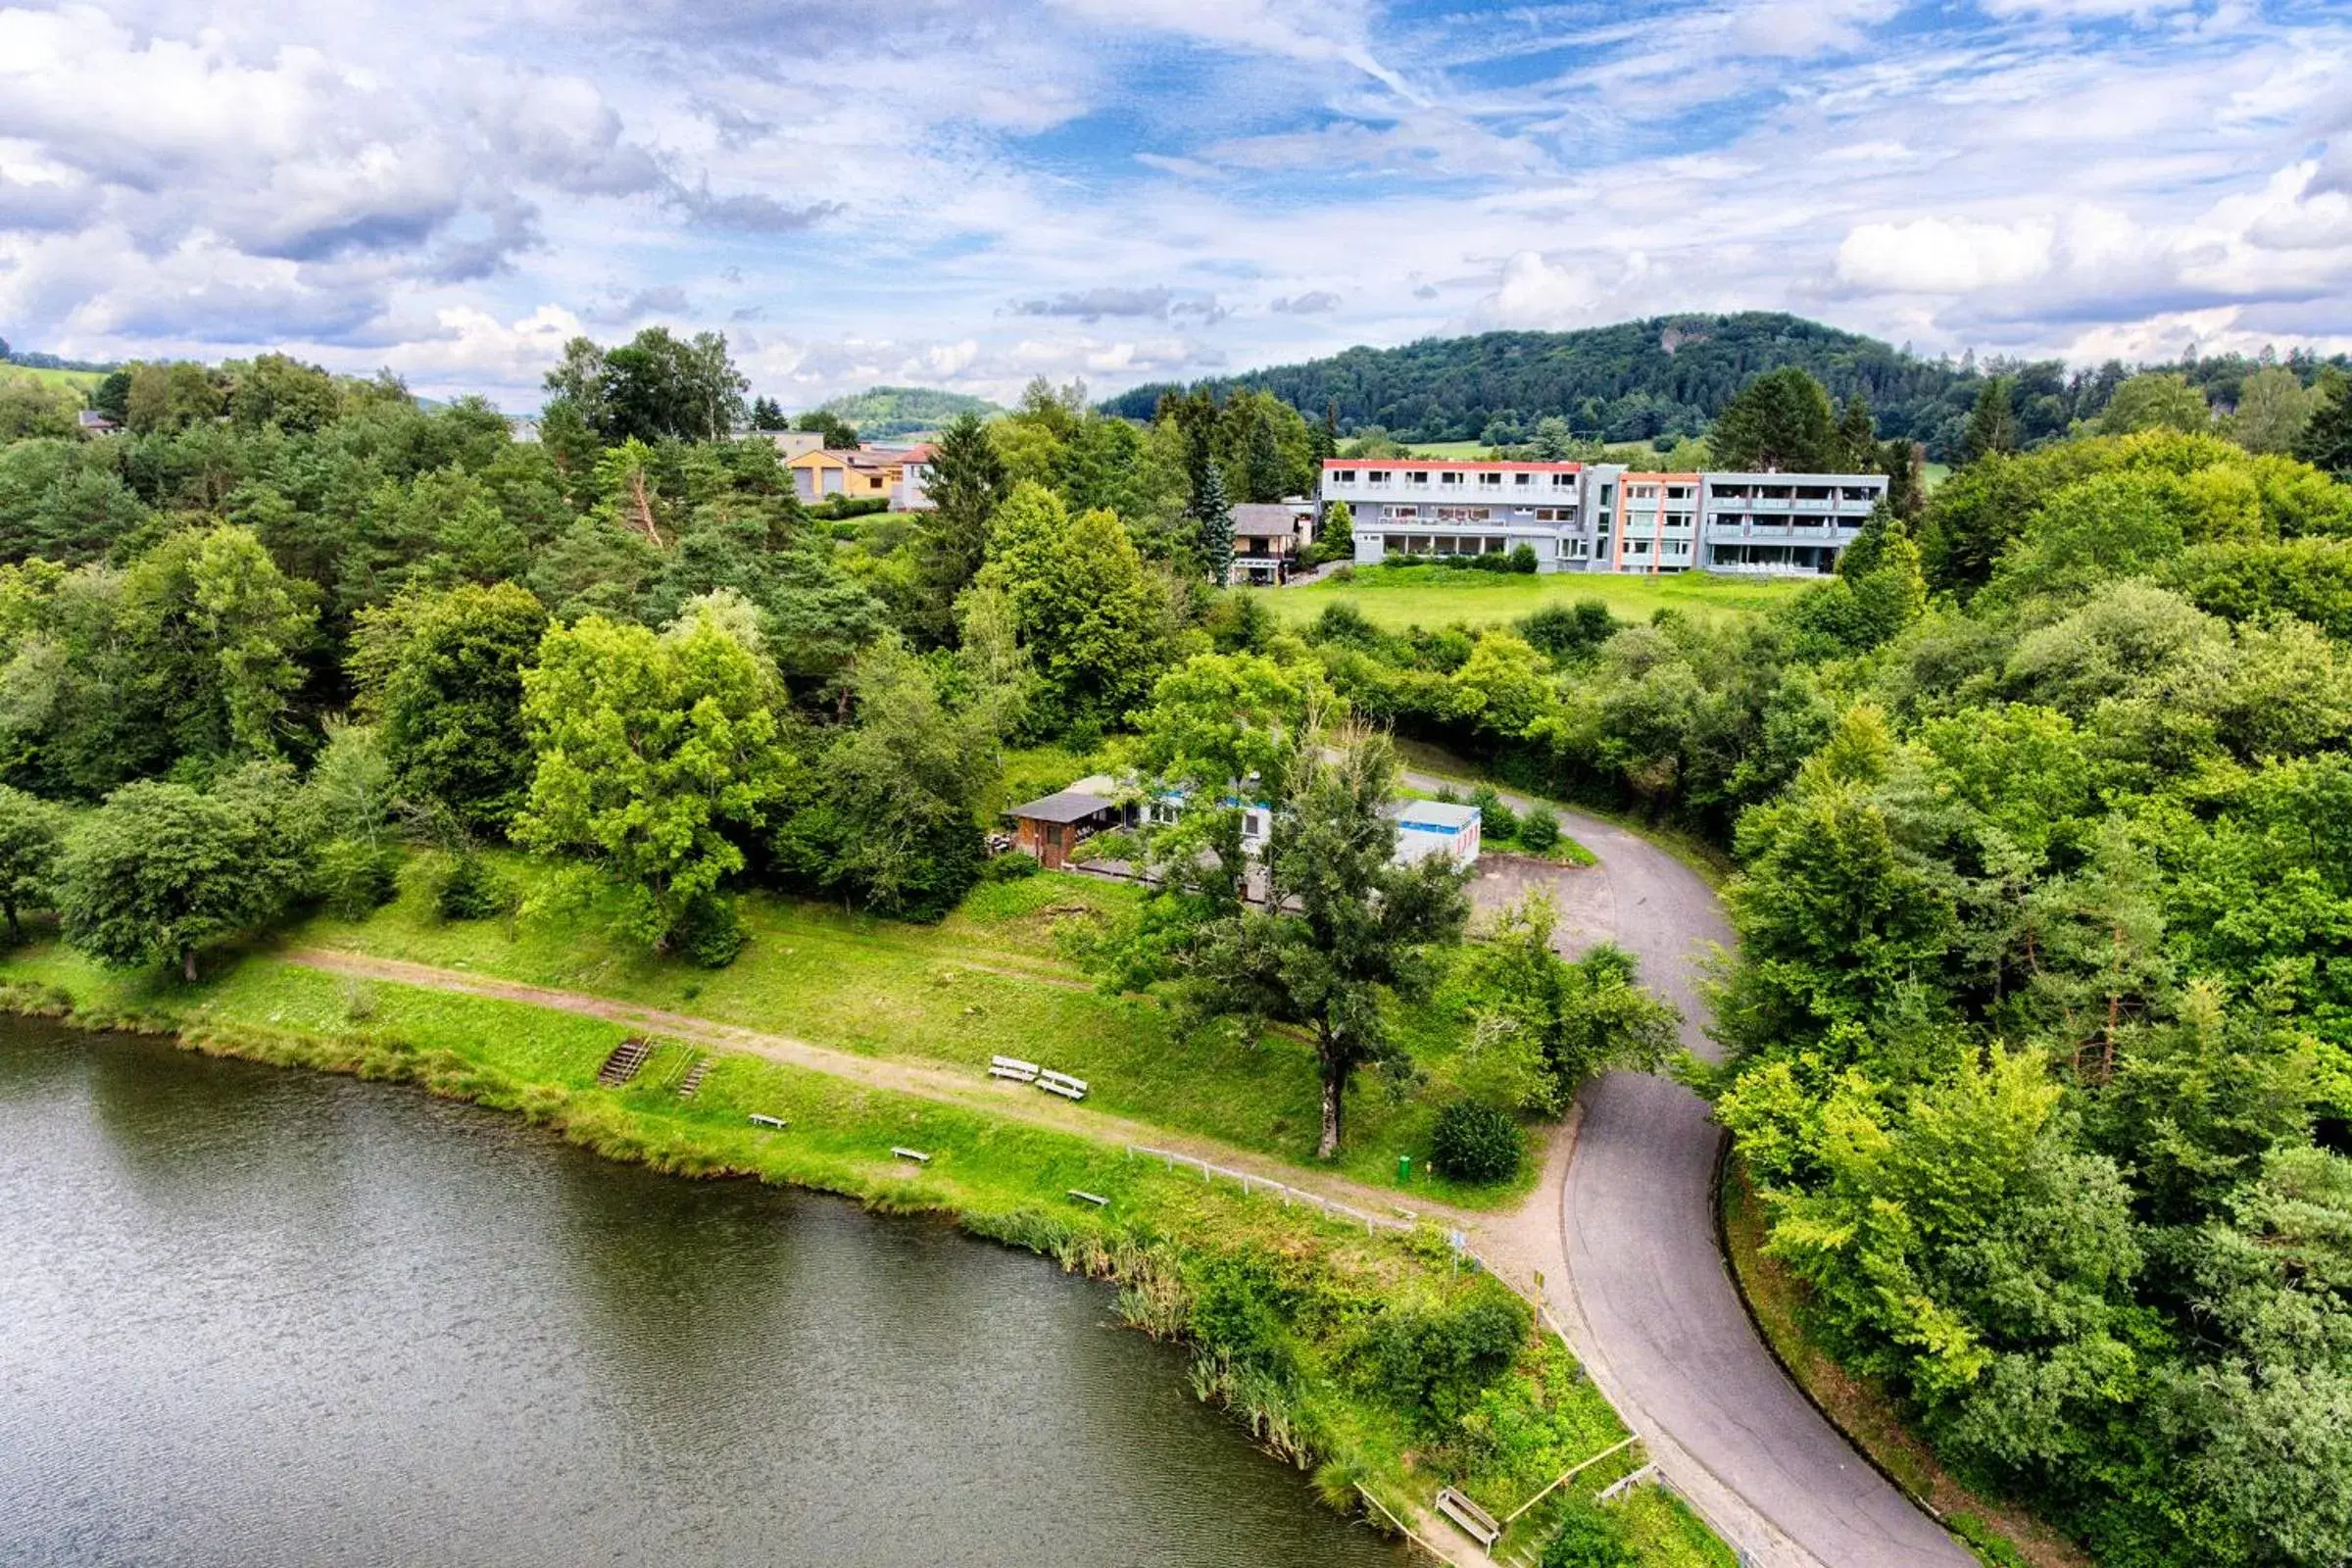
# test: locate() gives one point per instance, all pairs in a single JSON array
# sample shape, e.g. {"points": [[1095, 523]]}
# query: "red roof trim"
{"points": [[1450, 463]]}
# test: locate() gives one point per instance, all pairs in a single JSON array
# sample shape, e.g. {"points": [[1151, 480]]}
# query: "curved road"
{"points": [[1648, 1295]]}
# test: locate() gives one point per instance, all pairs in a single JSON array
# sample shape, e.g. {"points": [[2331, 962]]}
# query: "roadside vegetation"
{"points": [[2038, 1050]]}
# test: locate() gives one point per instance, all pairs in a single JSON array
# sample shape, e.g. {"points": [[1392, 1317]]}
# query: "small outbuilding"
{"points": [[1436, 827], [1051, 829]]}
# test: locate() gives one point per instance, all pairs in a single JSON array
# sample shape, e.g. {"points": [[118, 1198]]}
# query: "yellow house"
{"points": [[860, 475]]}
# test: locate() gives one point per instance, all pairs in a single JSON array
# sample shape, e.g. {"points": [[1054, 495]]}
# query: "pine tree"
{"points": [[1993, 426], [1327, 435], [966, 485], [1857, 437], [2327, 441], [1213, 523], [1264, 473]]}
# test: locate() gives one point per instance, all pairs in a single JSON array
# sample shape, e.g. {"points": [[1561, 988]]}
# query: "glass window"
{"points": [[1523, 478], [1378, 476], [1343, 475], [1417, 476]]}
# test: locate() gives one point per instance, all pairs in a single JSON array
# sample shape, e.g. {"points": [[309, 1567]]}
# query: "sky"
{"points": [[969, 195]]}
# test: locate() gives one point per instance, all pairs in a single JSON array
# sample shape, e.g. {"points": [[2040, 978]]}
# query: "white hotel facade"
{"points": [[1602, 516]]}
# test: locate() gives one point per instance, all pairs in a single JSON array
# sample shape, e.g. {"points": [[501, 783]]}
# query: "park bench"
{"points": [[915, 1154], [1062, 1084], [1475, 1521], [1096, 1198], [1014, 1068], [759, 1120]]}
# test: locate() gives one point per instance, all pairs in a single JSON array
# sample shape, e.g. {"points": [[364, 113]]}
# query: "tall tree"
{"points": [[967, 484], [1858, 441], [2326, 439], [33, 835], [451, 695], [658, 758], [2274, 407], [1213, 525], [1992, 424], [161, 868], [1265, 476], [2155, 400], [1343, 929], [1781, 420]]}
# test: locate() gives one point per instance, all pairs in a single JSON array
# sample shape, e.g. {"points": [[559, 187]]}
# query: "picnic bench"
{"points": [[760, 1120], [1014, 1068], [1475, 1521], [1062, 1084], [915, 1154]]}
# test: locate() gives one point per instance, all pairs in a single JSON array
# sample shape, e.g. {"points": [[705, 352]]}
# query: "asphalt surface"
{"points": [[1663, 1329]]}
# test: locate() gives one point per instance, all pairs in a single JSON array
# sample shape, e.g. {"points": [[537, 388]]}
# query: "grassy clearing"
{"points": [[79, 382], [1395, 598], [987, 981], [1164, 1237], [1863, 1410]]}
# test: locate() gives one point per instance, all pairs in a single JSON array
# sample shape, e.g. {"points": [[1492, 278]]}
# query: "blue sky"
{"points": [[1124, 190]]}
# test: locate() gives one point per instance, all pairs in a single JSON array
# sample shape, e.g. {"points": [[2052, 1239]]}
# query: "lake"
{"points": [[251, 1316]]}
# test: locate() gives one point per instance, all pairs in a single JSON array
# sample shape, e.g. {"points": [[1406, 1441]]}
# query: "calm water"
{"points": [[254, 1317]]}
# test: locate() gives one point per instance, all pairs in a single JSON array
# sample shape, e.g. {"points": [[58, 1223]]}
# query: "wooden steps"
{"points": [[628, 1058], [695, 1076]]}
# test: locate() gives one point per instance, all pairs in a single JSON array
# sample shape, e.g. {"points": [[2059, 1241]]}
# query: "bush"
{"points": [[1474, 1142], [1346, 574], [1431, 1363], [1539, 830], [355, 879], [470, 888], [710, 932], [1010, 866], [1523, 559], [1589, 1536], [1496, 820]]}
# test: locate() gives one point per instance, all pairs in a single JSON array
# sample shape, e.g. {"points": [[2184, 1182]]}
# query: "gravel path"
{"points": [[1623, 1230]]}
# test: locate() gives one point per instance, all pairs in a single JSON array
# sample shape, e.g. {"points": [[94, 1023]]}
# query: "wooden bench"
{"points": [[1476, 1522], [757, 1120], [915, 1154], [1014, 1068], [1062, 1084], [1096, 1198]]}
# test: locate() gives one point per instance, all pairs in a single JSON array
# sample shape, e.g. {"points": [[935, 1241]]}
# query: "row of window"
{"points": [[1477, 515], [1444, 544], [1455, 476]]}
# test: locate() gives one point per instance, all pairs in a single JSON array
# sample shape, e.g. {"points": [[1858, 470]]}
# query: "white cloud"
{"points": [[1943, 254]]}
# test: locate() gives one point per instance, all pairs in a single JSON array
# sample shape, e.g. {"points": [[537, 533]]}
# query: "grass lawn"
{"points": [[1398, 597], [987, 981]]}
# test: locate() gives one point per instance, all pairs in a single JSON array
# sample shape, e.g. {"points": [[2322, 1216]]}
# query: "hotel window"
{"points": [[1376, 476], [1636, 546], [1490, 478], [1576, 550], [1405, 513], [1417, 476], [1342, 476], [1523, 478], [1450, 477], [1678, 492]]}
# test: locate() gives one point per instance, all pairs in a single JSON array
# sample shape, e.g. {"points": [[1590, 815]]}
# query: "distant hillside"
{"points": [[885, 411], [1668, 376]]}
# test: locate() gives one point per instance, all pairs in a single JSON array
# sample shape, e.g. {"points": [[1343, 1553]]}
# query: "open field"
{"points": [[1397, 597], [75, 381]]}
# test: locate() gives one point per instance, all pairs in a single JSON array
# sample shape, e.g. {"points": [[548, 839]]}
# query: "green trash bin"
{"points": [[1404, 1168]]}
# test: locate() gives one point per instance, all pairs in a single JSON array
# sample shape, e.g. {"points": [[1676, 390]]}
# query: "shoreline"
{"points": [[1165, 1224]]}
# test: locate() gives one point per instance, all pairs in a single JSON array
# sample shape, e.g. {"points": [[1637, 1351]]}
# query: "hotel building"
{"points": [[1601, 516]]}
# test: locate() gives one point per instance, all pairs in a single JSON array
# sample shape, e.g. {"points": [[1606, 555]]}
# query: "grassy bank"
{"points": [[1395, 598], [1864, 1411], [986, 981], [1295, 1318]]}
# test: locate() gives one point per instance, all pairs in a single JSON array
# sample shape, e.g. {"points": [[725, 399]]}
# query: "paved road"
{"points": [[1662, 1326]]}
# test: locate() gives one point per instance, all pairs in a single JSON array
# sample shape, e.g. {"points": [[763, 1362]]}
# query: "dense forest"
{"points": [[890, 410], [1671, 375], [2040, 1022]]}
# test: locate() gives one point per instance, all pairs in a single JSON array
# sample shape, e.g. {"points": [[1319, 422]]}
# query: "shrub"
{"points": [[470, 888], [1523, 559], [1496, 820], [1432, 1362], [1539, 830], [1010, 866], [355, 879], [1346, 574], [1589, 1536], [1474, 1142], [710, 932]]}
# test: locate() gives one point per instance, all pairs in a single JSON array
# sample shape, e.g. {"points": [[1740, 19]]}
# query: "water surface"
{"points": [[257, 1317]]}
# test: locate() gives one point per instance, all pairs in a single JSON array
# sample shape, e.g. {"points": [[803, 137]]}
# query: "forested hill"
{"points": [[1670, 375], [888, 411]]}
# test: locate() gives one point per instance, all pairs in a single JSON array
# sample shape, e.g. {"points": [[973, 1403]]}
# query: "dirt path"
{"points": [[947, 1085]]}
